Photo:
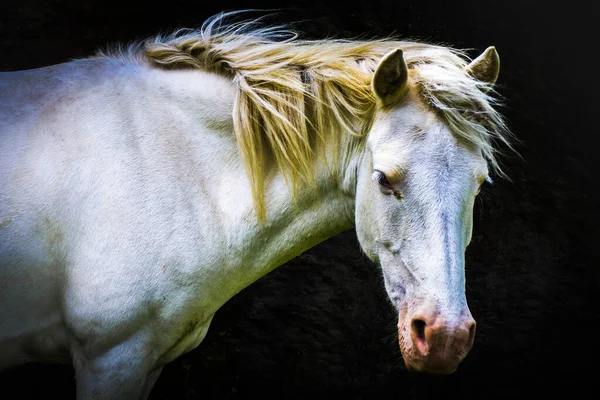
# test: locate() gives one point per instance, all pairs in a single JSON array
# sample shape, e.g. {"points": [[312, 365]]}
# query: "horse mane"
{"points": [[294, 94]]}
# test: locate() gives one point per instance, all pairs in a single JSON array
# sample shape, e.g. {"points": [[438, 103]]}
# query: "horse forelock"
{"points": [[294, 94]]}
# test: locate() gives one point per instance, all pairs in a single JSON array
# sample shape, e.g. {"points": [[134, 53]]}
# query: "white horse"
{"points": [[142, 188]]}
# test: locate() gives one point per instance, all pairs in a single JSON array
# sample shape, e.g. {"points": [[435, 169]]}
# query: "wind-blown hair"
{"points": [[295, 94]]}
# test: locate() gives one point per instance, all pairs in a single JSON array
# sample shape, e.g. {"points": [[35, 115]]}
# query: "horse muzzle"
{"points": [[431, 343]]}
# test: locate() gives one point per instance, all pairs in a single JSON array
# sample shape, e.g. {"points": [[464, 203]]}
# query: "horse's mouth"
{"points": [[442, 367]]}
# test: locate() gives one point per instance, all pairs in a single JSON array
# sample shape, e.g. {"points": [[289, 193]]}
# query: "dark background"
{"points": [[321, 326]]}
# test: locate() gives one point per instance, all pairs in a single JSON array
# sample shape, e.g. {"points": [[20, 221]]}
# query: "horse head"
{"points": [[415, 195]]}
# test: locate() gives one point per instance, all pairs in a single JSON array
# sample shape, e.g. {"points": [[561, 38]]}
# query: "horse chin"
{"points": [[443, 367]]}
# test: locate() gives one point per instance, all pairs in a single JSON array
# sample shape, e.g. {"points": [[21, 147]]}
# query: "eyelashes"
{"points": [[382, 180], [385, 186]]}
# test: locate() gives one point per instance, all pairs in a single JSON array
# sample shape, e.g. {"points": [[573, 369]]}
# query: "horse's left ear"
{"points": [[486, 67], [390, 78]]}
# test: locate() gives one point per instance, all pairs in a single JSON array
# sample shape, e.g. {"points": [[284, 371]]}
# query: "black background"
{"points": [[321, 326]]}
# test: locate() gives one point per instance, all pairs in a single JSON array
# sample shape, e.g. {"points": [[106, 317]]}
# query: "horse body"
{"points": [[129, 216], [125, 240]]}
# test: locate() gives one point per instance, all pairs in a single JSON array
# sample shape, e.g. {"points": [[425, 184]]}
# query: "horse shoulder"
{"points": [[108, 173]]}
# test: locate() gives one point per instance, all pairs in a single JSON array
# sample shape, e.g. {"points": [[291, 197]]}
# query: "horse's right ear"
{"points": [[390, 79], [486, 67]]}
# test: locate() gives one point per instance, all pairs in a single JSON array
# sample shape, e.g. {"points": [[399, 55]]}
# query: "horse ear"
{"points": [[486, 67], [390, 78]]}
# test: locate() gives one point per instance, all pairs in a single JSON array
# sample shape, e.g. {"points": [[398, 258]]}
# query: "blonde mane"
{"points": [[296, 94]]}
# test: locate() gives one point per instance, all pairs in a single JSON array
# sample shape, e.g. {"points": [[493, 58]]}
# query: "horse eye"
{"points": [[487, 180], [382, 180]]}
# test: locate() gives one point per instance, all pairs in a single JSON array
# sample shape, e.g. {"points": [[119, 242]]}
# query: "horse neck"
{"points": [[296, 223], [293, 224]]}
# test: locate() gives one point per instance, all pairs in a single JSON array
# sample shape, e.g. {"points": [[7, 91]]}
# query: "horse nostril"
{"points": [[472, 332], [418, 327]]}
